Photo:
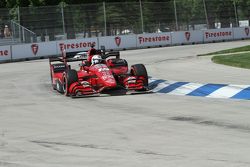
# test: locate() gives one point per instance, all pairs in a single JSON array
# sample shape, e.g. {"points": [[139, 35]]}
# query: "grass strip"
{"points": [[229, 51], [237, 60]]}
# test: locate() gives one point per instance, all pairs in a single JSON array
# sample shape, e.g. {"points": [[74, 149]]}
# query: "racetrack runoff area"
{"points": [[39, 127]]}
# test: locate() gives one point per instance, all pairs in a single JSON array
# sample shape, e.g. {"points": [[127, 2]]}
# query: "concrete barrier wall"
{"points": [[241, 33], [33, 50], [118, 42], [187, 37], [45, 49]]}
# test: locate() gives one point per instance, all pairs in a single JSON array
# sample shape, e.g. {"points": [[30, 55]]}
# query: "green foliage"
{"points": [[236, 60], [158, 15], [2, 4], [230, 51], [87, 16]]}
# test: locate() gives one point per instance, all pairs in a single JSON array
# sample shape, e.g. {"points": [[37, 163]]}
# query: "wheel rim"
{"points": [[65, 85]]}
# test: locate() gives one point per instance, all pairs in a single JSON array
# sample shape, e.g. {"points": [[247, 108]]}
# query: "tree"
{"points": [[243, 9], [226, 14], [158, 16], [198, 14], [185, 13], [2, 4]]}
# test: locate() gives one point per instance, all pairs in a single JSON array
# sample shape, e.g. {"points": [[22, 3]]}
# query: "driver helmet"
{"points": [[96, 59]]}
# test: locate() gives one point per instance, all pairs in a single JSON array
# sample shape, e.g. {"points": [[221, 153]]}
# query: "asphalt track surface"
{"points": [[39, 127]]}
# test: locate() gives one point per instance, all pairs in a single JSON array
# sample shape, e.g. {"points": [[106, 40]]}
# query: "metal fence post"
{"points": [[236, 14], [205, 10], [142, 24], [176, 17], [23, 35], [105, 19], [18, 14], [19, 21], [63, 23]]}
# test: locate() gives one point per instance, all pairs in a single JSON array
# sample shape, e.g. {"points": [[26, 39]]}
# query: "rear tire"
{"points": [[69, 77], [139, 70]]}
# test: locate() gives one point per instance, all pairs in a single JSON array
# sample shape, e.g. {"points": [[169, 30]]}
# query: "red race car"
{"points": [[107, 71]]}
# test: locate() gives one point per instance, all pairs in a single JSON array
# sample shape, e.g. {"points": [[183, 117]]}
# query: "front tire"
{"points": [[139, 70], [51, 77], [69, 77]]}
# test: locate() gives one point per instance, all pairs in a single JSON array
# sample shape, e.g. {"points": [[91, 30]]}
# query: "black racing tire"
{"points": [[53, 85], [59, 86], [140, 70], [69, 77]]}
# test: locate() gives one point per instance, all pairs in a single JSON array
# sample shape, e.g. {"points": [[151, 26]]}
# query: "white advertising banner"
{"points": [[218, 34], [187, 37], [5, 53], [118, 42], [241, 32], [33, 50], [76, 45], [156, 39]]}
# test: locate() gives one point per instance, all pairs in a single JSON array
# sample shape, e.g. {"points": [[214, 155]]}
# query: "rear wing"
{"points": [[60, 59], [81, 56], [111, 54], [67, 57], [53, 59]]}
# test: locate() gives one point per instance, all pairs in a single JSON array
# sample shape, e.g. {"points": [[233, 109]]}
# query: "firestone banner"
{"points": [[5, 53], [76, 45], [156, 39], [218, 34]]}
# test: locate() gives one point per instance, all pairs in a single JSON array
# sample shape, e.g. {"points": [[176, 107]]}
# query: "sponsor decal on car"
{"points": [[60, 66], [34, 48], [103, 69]]}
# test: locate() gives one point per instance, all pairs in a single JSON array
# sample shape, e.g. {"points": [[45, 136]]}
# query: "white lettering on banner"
{"points": [[218, 34], [75, 45], [4, 52], [153, 39]]}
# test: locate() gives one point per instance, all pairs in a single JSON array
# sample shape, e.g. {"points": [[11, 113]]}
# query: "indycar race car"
{"points": [[108, 73]]}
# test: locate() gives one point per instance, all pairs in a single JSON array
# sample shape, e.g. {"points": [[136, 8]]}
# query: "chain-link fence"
{"points": [[105, 19]]}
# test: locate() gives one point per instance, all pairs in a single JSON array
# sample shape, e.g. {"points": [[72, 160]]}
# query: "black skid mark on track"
{"points": [[8, 164], [201, 121], [91, 146], [229, 161], [147, 152]]}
